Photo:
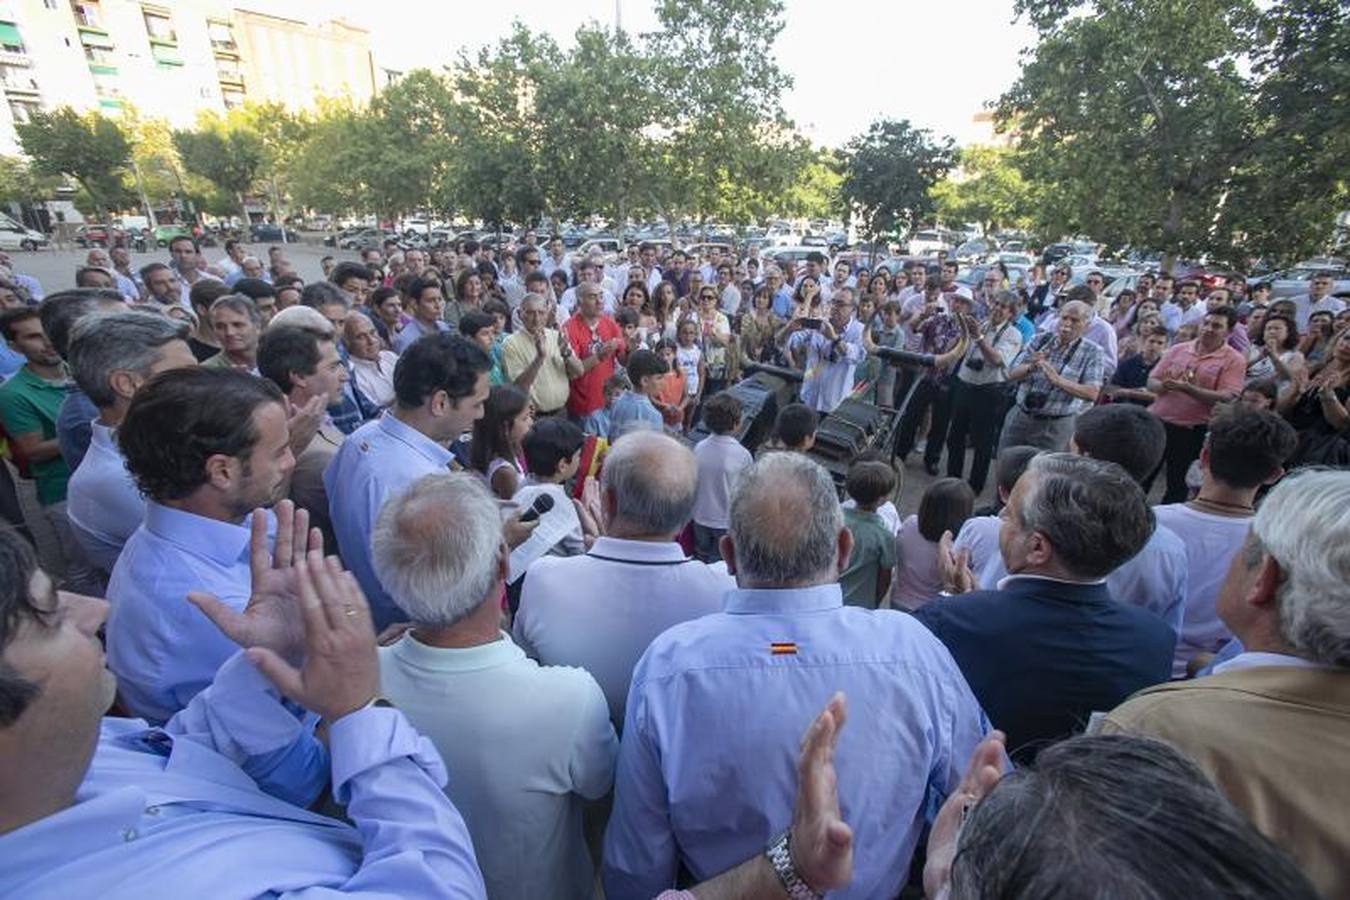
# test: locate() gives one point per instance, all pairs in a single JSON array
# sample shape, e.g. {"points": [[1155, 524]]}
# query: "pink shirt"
{"points": [[1223, 370]]}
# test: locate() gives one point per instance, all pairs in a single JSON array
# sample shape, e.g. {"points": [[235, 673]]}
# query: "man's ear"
{"points": [[845, 549], [221, 471], [1266, 583], [728, 548]]}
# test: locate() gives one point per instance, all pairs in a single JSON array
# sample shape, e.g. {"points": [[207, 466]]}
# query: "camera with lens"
{"points": [[975, 364], [1035, 400]]}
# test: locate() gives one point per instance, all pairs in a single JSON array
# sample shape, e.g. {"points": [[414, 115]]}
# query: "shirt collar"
{"points": [[752, 601], [102, 435], [458, 659], [402, 431], [222, 542], [1004, 582], [623, 550], [1253, 659]]}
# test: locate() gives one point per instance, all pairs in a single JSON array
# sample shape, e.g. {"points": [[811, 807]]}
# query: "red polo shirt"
{"points": [[587, 394]]}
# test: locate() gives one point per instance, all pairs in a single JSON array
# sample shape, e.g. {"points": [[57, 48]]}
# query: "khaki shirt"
{"points": [[550, 389]]}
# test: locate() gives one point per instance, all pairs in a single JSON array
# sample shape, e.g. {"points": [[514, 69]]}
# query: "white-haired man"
{"points": [[706, 771], [601, 610], [1271, 726], [526, 743]]}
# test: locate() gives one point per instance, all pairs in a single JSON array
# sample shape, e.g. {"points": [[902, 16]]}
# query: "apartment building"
{"points": [[170, 59]]}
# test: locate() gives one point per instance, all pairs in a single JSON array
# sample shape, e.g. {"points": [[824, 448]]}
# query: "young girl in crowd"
{"points": [[944, 507], [689, 357], [496, 449], [672, 399]]}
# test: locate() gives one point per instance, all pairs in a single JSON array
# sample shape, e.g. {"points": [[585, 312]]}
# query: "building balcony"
{"points": [[18, 60], [235, 79], [21, 90]]}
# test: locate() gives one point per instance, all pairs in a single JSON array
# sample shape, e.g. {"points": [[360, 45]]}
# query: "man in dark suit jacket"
{"points": [[1051, 646], [1043, 298]]}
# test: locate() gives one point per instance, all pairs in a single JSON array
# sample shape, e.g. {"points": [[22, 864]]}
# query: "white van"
{"points": [[927, 243], [14, 236]]}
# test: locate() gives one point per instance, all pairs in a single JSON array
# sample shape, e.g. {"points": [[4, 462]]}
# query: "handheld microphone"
{"points": [[542, 504]]}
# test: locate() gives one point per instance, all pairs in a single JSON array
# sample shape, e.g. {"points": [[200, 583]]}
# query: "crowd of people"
{"points": [[413, 581]]}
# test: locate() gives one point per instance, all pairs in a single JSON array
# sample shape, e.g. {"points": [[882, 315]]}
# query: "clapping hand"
{"points": [[272, 617], [822, 842], [982, 772], [341, 671], [303, 421], [954, 567]]}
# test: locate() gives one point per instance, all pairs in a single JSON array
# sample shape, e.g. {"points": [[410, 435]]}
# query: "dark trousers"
{"points": [[1183, 448], [936, 395], [977, 413]]}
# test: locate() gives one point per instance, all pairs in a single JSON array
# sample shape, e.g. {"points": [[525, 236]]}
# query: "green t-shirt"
{"points": [[29, 404], [873, 551]]}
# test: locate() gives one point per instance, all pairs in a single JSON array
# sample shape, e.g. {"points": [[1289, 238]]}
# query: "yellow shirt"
{"points": [[550, 388]]}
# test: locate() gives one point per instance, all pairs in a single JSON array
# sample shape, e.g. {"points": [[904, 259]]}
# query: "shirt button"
{"points": [[128, 834]]}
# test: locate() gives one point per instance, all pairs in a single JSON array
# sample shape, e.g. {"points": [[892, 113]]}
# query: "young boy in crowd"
{"points": [[867, 579], [720, 457], [552, 450], [636, 408], [794, 430], [887, 334]]}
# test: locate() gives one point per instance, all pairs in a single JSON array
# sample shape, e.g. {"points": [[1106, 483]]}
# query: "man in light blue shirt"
{"points": [[213, 804], [111, 355], [207, 447], [707, 772], [440, 385], [829, 354], [427, 307]]}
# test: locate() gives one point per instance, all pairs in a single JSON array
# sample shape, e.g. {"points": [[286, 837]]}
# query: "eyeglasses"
{"points": [[533, 261]]}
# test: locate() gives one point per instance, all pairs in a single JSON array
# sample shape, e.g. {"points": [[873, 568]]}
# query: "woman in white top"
{"points": [[495, 450], [1274, 354], [945, 506]]}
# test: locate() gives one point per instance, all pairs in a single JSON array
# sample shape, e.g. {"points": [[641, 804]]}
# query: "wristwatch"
{"points": [[781, 860]]}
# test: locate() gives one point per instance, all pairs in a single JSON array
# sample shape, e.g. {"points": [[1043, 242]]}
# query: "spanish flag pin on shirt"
{"points": [[783, 648]]}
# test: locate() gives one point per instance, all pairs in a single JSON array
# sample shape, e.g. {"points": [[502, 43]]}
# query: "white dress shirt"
{"points": [[600, 610], [525, 745], [375, 378], [720, 458]]}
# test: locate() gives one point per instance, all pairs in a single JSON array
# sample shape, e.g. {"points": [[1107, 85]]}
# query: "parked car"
{"points": [[92, 235], [1294, 282], [1010, 258], [363, 239], [927, 243], [166, 233], [975, 250], [1053, 253], [606, 245], [14, 236], [267, 233]]}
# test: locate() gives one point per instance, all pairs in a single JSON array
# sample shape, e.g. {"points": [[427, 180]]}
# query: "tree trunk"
{"points": [[1171, 228], [243, 208]]}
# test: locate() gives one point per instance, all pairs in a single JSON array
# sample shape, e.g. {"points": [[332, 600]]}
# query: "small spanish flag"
{"points": [[783, 648]]}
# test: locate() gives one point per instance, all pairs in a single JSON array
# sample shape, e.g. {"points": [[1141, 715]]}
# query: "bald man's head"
{"points": [[649, 480], [785, 524]]}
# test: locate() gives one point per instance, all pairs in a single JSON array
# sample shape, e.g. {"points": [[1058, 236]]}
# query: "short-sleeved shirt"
{"points": [[1223, 370], [1079, 361], [587, 393], [938, 334], [873, 552], [549, 390], [30, 405]]}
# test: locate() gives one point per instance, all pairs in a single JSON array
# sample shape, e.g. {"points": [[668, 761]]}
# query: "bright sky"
{"points": [[935, 63]]}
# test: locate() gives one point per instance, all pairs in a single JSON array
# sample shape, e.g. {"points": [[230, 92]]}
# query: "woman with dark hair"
{"points": [[944, 507], [496, 449], [559, 282], [1319, 411], [664, 312], [1273, 353], [758, 328], [639, 300], [487, 277]]}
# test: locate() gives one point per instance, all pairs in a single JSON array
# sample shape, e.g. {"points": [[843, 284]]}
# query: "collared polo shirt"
{"points": [[720, 458], [525, 745], [374, 463], [600, 610], [30, 405], [1223, 370], [162, 649], [103, 503], [414, 329]]}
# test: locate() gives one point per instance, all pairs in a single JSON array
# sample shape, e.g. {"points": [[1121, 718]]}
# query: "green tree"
{"points": [[230, 158], [1132, 116], [90, 148], [327, 166], [1285, 194], [732, 149], [20, 183], [407, 144], [889, 172], [816, 193], [985, 187], [496, 173]]}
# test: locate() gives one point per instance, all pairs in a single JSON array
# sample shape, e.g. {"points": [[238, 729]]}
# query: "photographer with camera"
{"points": [[1061, 376], [978, 390]]}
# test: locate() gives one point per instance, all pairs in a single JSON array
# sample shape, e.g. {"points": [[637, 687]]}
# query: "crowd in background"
{"points": [[506, 633]]}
